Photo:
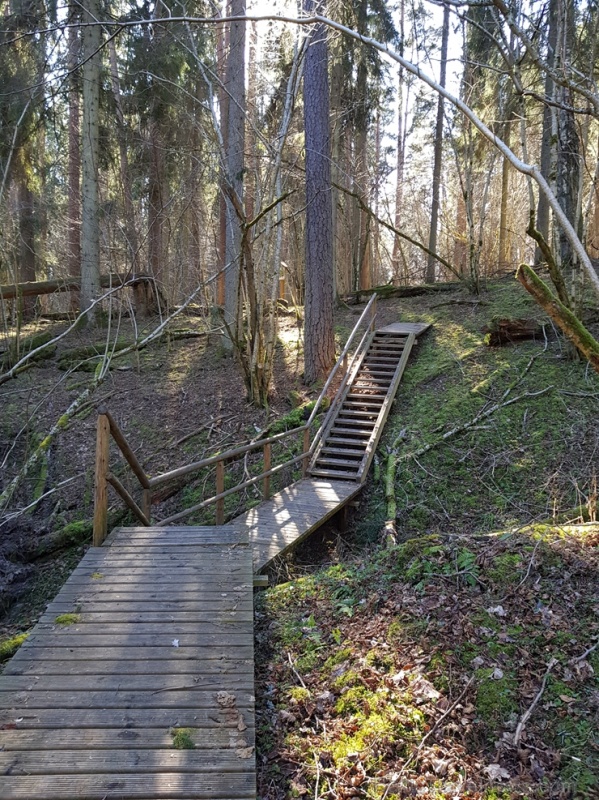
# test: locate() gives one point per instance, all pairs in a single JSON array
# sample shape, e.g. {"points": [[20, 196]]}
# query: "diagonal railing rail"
{"points": [[107, 428]]}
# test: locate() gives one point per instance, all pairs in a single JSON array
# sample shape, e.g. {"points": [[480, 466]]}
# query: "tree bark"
{"points": [[569, 323], [74, 168], [438, 157], [90, 221], [319, 342], [235, 87]]}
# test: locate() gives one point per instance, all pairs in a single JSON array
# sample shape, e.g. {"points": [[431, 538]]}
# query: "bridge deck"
{"points": [[158, 653], [288, 517]]}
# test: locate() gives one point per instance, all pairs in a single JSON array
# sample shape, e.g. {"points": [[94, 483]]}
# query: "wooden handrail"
{"points": [[107, 427], [211, 500]]}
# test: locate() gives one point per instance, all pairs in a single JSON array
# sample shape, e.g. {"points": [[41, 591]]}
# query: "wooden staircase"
{"points": [[352, 433]]}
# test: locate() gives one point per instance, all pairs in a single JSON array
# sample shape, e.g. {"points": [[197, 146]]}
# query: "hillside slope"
{"points": [[409, 669]]}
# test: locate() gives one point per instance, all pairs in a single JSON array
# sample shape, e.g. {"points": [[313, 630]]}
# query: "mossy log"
{"points": [[388, 290], [507, 331], [568, 322]]}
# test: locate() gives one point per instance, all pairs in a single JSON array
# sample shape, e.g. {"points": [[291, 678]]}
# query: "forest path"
{"points": [[138, 681]]}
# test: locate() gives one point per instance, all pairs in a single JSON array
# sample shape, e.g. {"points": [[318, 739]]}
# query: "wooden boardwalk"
{"points": [[138, 681], [282, 522], [159, 652]]}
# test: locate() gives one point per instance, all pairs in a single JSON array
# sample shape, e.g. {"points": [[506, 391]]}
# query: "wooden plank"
{"points": [[218, 738], [128, 718], [35, 667], [170, 617], [85, 628], [45, 652], [124, 682], [225, 605], [134, 761], [123, 641], [147, 761], [132, 786], [192, 698]]}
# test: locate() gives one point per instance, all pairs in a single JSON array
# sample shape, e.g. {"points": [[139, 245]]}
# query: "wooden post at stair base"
{"points": [[266, 481], [306, 450], [373, 316], [220, 488], [146, 503], [100, 483]]}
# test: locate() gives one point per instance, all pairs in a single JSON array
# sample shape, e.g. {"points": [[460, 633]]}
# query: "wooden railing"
{"points": [[108, 428]]}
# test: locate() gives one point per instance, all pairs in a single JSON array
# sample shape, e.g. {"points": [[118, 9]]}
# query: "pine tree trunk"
{"points": [[90, 220], [438, 156], [74, 168], [235, 86], [319, 343]]}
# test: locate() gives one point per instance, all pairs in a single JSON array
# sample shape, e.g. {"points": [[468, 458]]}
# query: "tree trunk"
{"points": [[235, 87], [319, 342], [90, 220], [27, 255], [547, 142], [74, 168], [132, 243], [438, 156], [504, 254]]}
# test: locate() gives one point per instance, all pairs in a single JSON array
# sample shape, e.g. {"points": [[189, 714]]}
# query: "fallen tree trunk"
{"points": [[388, 290], [568, 322], [33, 288]]}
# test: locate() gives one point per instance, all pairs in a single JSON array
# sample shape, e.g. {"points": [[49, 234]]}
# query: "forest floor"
{"points": [[384, 669]]}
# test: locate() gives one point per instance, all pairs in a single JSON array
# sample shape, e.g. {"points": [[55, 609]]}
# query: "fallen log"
{"points": [[569, 323], [507, 331], [147, 293], [388, 290]]}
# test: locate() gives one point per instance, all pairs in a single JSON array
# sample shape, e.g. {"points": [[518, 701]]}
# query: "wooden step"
{"points": [[340, 441], [362, 403], [375, 396], [380, 361], [336, 462], [378, 371], [348, 412], [342, 451], [333, 473], [358, 423], [349, 432]]}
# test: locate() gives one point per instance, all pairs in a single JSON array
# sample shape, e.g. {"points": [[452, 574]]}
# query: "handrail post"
{"points": [[266, 481], [220, 488], [306, 451], [373, 316], [100, 483], [146, 503]]}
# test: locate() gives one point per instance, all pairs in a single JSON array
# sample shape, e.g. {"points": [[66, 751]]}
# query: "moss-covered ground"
{"points": [[408, 669]]}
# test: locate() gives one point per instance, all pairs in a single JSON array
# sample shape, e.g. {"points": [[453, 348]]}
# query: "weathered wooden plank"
{"points": [[226, 627], [128, 785], [218, 738], [127, 718], [168, 667], [123, 641], [215, 616], [199, 697], [46, 652], [223, 605], [116, 761], [126, 682]]}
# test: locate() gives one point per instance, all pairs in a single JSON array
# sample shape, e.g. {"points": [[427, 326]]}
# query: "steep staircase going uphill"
{"points": [[350, 438]]}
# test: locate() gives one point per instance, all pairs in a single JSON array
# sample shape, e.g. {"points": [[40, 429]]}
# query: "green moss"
{"points": [[67, 619], [182, 738], [496, 700], [8, 647], [299, 694]]}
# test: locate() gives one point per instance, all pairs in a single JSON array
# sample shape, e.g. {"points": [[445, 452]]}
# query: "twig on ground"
{"points": [[295, 672], [527, 714], [415, 755], [586, 653]]}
